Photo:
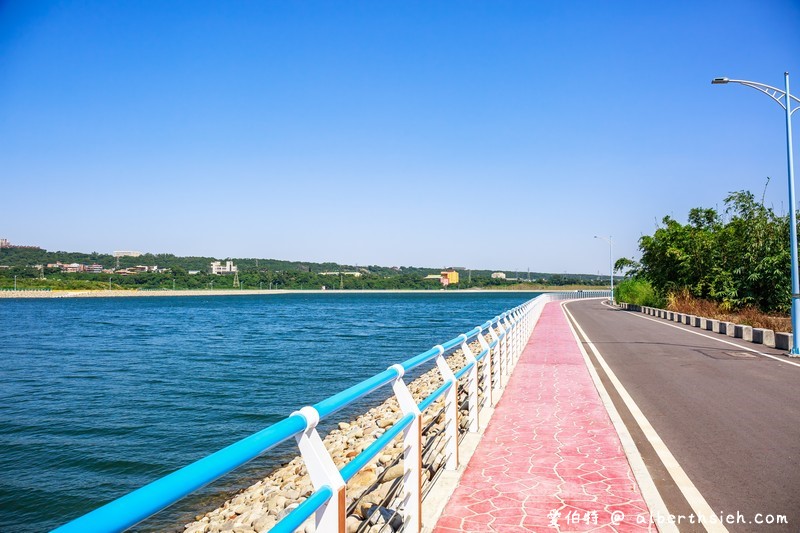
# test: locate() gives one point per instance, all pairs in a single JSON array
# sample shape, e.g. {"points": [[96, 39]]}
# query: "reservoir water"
{"points": [[100, 396]]}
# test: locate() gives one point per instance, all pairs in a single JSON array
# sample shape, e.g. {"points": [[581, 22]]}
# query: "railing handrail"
{"points": [[132, 508]]}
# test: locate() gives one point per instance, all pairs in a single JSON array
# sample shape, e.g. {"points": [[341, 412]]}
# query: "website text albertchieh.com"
{"points": [[561, 518], [721, 518]]}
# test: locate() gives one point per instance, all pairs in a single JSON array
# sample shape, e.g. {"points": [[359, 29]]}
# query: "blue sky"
{"points": [[499, 135]]}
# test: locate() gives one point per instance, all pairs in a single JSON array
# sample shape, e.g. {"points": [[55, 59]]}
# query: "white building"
{"points": [[218, 268], [127, 253], [499, 275], [354, 274]]}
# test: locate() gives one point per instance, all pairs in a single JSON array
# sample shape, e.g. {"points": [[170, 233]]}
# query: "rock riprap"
{"points": [[374, 494]]}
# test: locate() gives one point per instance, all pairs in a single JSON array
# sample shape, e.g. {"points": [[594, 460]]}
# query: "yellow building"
{"points": [[449, 276]]}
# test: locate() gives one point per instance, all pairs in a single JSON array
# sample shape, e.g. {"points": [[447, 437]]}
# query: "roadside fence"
{"points": [[491, 351]]}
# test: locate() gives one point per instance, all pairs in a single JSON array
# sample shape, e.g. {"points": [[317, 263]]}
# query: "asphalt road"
{"points": [[730, 417]]}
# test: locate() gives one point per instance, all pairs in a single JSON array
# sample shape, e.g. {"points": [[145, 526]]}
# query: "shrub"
{"points": [[638, 292]]}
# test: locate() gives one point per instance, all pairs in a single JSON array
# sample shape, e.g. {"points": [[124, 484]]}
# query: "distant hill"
{"points": [[19, 269], [26, 257]]}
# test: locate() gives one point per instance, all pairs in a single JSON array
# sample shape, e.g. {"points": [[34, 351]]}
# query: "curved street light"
{"points": [[610, 242], [784, 99]]}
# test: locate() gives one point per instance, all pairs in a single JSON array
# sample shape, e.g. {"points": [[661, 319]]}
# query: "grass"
{"points": [[542, 286], [55, 284], [683, 302]]}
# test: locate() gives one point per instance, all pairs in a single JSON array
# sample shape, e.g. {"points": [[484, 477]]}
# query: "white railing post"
{"points": [[488, 390], [527, 320], [322, 471], [502, 345], [450, 410], [524, 319], [494, 363], [508, 348], [517, 336], [412, 455], [472, 390], [510, 343], [531, 321], [513, 338]]}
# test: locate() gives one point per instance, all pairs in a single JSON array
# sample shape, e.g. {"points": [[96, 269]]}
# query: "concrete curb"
{"points": [[767, 337]]}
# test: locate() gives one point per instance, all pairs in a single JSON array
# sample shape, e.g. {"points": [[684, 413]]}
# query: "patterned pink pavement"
{"points": [[550, 448]]}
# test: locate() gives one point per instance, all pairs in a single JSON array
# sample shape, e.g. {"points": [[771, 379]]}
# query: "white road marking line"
{"points": [[696, 501], [666, 323], [652, 498]]}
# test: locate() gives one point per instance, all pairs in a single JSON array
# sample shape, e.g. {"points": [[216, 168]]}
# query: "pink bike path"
{"points": [[550, 459]]}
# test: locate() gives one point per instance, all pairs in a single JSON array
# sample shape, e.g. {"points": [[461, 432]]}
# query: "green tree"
{"points": [[739, 262]]}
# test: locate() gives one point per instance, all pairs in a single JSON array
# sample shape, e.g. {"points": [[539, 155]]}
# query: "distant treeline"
{"points": [[253, 274]]}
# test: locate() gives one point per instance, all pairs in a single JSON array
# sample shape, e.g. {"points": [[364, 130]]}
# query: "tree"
{"points": [[741, 262]]}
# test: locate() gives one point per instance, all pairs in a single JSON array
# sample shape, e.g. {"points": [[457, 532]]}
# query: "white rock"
{"points": [[394, 472], [264, 523]]}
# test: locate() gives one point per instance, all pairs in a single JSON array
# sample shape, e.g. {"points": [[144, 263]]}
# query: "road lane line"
{"points": [[661, 321], [696, 500], [645, 481]]}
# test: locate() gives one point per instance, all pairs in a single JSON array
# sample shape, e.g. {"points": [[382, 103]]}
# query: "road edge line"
{"points": [[655, 503], [696, 500], [661, 321]]}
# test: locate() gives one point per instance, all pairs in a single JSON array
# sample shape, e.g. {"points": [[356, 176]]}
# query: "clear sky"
{"points": [[492, 134]]}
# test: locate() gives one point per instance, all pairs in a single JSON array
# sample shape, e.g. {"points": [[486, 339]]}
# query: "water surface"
{"points": [[99, 396]]}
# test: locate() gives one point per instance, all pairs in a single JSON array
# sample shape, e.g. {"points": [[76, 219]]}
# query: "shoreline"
{"points": [[115, 293], [259, 506]]}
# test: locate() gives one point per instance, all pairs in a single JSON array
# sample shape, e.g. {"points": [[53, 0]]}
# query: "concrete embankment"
{"points": [[127, 293], [232, 292], [373, 495]]}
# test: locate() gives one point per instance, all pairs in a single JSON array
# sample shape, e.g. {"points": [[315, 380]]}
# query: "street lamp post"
{"points": [[610, 242], [784, 99]]}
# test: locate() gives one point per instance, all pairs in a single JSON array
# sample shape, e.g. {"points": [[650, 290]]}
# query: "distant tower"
{"points": [[236, 279]]}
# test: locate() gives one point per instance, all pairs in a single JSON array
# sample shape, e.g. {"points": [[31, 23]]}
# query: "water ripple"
{"points": [[100, 396]]}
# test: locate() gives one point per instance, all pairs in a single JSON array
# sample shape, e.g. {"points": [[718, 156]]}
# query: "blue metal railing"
{"points": [[303, 511], [142, 503]]}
